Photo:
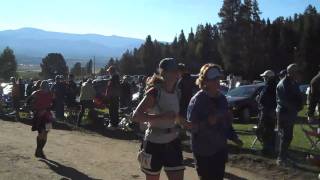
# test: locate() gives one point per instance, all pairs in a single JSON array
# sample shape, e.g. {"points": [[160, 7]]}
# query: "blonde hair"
{"points": [[152, 81], [203, 74]]}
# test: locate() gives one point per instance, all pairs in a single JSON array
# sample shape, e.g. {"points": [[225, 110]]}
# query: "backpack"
{"points": [[158, 89]]}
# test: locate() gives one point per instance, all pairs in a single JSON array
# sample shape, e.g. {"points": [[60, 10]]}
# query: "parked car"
{"points": [[7, 88], [304, 89], [242, 101]]}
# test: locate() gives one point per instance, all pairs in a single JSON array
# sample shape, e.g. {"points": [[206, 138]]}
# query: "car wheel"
{"points": [[245, 115]]}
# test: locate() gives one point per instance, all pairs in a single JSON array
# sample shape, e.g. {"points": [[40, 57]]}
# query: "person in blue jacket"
{"points": [[211, 125]]}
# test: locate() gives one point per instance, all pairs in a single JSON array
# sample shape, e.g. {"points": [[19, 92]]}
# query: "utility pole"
{"points": [[94, 65]]}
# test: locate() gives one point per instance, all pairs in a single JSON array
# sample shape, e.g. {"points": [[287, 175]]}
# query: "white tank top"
{"points": [[166, 102]]}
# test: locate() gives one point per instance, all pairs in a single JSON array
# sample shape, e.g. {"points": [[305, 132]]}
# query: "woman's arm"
{"points": [[183, 122]]}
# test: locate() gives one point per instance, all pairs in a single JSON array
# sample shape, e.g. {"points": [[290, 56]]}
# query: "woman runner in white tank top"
{"points": [[160, 109]]}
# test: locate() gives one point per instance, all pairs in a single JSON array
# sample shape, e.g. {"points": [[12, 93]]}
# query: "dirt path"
{"points": [[76, 155]]}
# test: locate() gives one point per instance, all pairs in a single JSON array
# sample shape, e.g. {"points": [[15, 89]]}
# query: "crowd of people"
{"points": [[48, 101], [170, 100], [280, 101]]}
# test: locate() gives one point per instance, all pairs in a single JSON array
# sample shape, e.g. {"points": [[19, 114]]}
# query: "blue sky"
{"points": [[163, 19]]}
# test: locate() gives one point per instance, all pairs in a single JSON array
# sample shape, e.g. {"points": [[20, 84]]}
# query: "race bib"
{"points": [[144, 159], [48, 126]]}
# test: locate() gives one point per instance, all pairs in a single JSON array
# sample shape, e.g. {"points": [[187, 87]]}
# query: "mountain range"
{"points": [[30, 45]]}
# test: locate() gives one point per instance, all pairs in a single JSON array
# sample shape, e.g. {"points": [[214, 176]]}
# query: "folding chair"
{"points": [[256, 139], [313, 136]]}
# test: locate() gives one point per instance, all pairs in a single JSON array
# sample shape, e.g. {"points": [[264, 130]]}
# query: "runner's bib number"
{"points": [[144, 159], [48, 126]]}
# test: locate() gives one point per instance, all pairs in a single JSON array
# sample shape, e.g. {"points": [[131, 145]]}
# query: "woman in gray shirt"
{"points": [[160, 108]]}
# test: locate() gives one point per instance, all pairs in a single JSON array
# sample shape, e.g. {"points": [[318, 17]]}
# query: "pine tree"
{"points": [[182, 50], [174, 48], [76, 69], [148, 58], [191, 57], [255, 11], [230, 37], [8, 64], [53, 64], [88, 67]]}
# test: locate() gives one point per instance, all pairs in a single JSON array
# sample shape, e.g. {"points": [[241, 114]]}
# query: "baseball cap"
{"points": [[182, 67], [214, 73], [267, 73], [292, 68], [168, 64], [283, 72]]}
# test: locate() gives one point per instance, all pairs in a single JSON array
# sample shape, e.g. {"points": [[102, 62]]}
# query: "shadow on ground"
{"points": [[65, 171], [114, 134], [189, 162], [100, 129]]}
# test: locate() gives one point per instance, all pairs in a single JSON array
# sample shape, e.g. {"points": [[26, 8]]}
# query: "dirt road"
{"points": [[76, 155]]}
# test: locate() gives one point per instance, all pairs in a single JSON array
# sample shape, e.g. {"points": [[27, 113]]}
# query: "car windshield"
{"points": [[7, 89], [242, 91], [303, 88]]}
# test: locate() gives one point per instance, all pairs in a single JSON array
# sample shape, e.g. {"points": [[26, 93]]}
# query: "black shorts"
{"points": [[38, 125], [167, 155], [211, 167]]}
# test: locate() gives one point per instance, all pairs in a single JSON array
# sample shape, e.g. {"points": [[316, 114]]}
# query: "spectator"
{"points": [[267, 119], [15, 97], [210, 124], [71, 92], [29, 87], [186, 86], [126, 95], [22, 89], [314, 97], [289, 103], [59, 93], [113, 97], [282, 74], [87, 94], [160, 108], [232, 80], [134, 86]]}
